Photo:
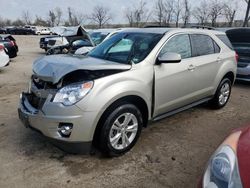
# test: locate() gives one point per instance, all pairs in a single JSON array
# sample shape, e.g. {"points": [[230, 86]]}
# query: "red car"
{"points": [[229, 167]]}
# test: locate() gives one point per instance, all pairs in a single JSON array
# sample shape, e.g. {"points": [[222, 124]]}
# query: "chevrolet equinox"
{"points": [[104, 99]]}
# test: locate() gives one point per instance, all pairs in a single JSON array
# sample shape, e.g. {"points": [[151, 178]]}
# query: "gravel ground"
{"points": [[170, 153]]}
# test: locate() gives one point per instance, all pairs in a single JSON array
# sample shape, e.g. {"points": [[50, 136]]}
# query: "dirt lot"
{"points": [[170, 153]]}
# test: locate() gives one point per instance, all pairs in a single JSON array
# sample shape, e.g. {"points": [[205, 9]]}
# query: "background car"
{"points": [[69, 40], [43, 31], [240, 39], [4, 58], [20, 31], [3, 31], [9, 38], [44, 42], [98, 36], [229, 166]]}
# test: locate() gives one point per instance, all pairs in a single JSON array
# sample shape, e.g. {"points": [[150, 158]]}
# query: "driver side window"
{"points": [[179, 44]]}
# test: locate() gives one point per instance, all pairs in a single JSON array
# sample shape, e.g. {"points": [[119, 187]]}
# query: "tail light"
{"points": [[1, 48], [236, 57]]}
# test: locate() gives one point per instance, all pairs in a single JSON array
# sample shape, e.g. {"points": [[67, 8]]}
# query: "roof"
{"points": [[161, 30]]}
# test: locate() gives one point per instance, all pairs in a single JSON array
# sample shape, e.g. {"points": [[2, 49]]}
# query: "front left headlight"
{"points": [[73, 93], [222, 170]]}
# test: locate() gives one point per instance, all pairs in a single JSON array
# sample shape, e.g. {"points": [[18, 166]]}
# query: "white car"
{"points": [[4, 58], [43, 31]]}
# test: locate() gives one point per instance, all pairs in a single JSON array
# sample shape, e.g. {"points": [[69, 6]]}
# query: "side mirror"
{"points": [[169, 57]]}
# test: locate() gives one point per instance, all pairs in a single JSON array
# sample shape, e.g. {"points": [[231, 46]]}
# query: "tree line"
{"points": [[164, 13]]}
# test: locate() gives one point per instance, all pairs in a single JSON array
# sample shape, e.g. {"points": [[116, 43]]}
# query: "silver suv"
{"points": [[105, 98]]}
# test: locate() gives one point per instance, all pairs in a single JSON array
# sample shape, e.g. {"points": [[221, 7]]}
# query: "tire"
{"points": [[117, 138], [222, 94]]}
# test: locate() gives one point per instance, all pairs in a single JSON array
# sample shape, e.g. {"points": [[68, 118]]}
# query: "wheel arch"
{"points": [[132, 99]]}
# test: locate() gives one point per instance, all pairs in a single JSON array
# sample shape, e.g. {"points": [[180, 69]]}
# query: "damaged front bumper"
{"points": [[47, 120]]}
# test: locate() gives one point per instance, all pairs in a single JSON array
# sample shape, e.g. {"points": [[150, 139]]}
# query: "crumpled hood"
{"points": [[53, 68]]}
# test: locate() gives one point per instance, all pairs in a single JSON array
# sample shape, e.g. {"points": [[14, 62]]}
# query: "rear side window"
{"points": [[202, 45], [178, 44], [225, 40]]}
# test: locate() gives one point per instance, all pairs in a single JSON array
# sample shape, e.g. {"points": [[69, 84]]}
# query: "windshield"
{"points": [[98, 37], [126, 47]]}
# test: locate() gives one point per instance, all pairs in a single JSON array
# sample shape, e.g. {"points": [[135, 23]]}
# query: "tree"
{"points": [[177, 11], [186, 13], [247, 14], [160, 12], [129, 15], [40, 22], [169, 4], [139, 15], [26, 17], [58, 13], [215, 10], [229, 12], [18, 22], [52, 18], [201, 12], [100, 15]]}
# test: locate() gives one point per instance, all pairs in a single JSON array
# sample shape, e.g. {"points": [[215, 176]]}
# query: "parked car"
{"points": [[3, 31], [11, 39], [69, 40], [19, 31], [4, 58], [44, 42], [98, 36], [43, 31], [229, 165], [10, 47], [240, 39], [105, 98]]}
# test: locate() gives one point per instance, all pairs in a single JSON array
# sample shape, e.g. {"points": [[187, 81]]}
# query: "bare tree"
{"points": [[129, 15], [186, 13], [139, 15], [58, 13], [177, 12], [229, 11], [41, 22], [201, 12], [100, 15], [169, 4], [215, 10], [51, 18], [159, 12], [246, 20], [26, 17]]}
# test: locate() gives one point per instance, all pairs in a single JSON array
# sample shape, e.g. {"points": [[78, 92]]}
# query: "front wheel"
{"points": [[222, 94], [121, 130]]}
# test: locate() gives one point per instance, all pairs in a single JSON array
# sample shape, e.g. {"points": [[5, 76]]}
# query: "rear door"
{"points": [[207, 61]]}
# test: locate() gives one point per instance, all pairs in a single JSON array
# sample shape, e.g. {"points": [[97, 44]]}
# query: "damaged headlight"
{"points": [[73, 93]]}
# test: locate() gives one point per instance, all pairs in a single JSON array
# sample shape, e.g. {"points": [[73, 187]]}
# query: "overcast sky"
{"points": [[13, 9]]}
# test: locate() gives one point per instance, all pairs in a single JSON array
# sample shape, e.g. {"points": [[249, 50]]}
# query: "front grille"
{"points": [[40, 91], [52, 42], [35, 101]]}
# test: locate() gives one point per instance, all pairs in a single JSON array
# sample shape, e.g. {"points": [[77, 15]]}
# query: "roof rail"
{"points": [[202, 27]]}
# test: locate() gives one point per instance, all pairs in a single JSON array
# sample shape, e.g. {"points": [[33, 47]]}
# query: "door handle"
{"points": [[191, 67]]}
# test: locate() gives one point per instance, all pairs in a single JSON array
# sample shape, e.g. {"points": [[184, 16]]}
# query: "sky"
{"points": [[13, 9]]}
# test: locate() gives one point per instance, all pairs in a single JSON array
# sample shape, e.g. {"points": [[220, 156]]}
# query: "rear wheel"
{"points": [[121, 130], [222, 94]]}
